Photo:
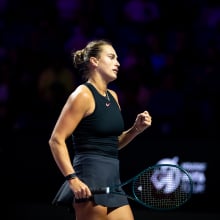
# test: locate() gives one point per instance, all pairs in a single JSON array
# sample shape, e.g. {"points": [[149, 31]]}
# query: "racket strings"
{"points": [[162, 188]]}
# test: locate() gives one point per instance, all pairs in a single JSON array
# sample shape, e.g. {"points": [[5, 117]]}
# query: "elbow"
{"points": [[55, 142], [52, 142]]}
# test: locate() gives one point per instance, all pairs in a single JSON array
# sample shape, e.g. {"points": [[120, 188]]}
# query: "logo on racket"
{"points": [[167, 179]]}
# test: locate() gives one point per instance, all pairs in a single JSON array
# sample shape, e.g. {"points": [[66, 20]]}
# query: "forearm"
{"points": [[61, 157], [142, 121], [127, 136]]}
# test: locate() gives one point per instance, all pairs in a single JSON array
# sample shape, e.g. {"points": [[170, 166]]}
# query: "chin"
{"points": [[112, 79]]}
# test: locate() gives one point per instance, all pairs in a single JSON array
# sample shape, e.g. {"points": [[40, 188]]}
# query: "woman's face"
{"points": [[107, 63]]}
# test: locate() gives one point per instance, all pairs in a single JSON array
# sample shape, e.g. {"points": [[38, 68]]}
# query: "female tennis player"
{"points": [[92, 115]]}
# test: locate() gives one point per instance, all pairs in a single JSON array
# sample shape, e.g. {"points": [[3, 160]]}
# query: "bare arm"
{"points": [[71, 114], [77, 106], [142, 122]]}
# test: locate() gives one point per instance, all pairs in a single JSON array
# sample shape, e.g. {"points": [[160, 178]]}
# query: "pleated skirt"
{"points": [[96, 171]]}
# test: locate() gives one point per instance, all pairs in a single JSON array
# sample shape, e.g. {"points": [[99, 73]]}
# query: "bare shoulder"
{"points": [[82, 93], [81, 100]]}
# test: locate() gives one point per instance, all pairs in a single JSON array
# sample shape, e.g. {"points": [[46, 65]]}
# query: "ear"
{"points": [[93, 61]]}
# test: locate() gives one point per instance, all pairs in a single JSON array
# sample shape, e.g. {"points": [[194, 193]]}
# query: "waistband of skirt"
{"points": [[110, 154]]}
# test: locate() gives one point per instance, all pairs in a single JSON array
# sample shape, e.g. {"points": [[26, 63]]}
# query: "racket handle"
{"points": [[103, 190]]}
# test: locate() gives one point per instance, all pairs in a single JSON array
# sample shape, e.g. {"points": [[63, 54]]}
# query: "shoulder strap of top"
{"points": [[91, 87]]}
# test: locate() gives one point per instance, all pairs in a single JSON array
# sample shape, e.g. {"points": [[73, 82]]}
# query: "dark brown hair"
{"points": [[81, 57]]}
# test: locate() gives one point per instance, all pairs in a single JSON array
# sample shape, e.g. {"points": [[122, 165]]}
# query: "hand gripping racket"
{"points": [[161, 187]]}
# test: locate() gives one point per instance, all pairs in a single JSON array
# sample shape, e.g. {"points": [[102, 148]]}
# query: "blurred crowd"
{"points": [[169, 53]]}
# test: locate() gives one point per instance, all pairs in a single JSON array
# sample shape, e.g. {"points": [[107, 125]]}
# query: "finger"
{"points": [[88, 193], [80, 194], [85, 192], [146, 117], [146, 112]]}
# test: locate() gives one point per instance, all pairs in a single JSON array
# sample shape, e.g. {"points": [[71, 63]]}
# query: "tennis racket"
{"points": [[161, 187]]}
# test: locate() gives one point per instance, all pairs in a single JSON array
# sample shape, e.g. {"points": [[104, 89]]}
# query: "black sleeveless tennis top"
{"points": [[98, 133]]}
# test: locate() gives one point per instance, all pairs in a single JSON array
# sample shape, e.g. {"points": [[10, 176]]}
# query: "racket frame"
{"points": [[109, 189]]}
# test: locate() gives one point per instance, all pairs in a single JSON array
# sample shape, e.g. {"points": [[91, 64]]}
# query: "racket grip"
{"points": [[103, 190]]}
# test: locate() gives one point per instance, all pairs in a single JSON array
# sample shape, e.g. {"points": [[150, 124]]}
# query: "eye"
{"points": [[111, 57]]}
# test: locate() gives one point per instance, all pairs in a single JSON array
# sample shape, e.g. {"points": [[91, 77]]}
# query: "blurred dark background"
{"points": [[169, 53]]}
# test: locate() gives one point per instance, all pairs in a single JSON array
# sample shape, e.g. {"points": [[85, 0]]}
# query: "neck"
{"points": [[101, 87]]}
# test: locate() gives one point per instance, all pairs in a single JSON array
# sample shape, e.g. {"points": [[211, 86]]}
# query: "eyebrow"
{"points": [[112, 54]]}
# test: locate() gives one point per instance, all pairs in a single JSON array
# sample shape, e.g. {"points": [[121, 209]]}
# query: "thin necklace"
{"points": [[107, 96], [108, 103]]}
